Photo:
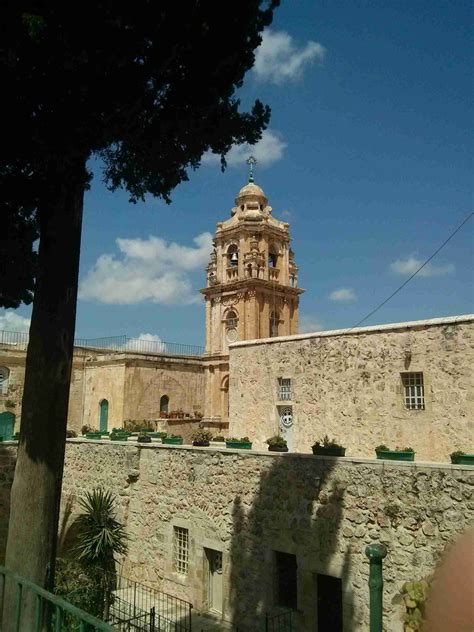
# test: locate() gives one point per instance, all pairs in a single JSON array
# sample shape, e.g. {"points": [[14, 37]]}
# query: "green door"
{"points": [[7, 423], [104, 415]]}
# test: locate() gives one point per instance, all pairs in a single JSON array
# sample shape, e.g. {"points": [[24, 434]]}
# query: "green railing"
{"points": [[50, 612]]}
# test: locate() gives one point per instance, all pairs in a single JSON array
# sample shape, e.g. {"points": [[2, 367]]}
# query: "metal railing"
{"points": [[280, 622], [172, 612], [19, 340], [50, 611]]}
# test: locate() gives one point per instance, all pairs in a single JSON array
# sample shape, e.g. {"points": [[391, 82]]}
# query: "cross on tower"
{"points": [[251, 161]]}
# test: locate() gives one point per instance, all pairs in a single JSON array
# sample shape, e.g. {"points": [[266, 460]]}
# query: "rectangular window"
{"points": [[286, 592], [414, 391], [284, 388], [329, 603], [181, 548]]}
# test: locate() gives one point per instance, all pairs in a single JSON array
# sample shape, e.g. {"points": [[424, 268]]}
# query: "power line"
{"points": [[414, 273]]}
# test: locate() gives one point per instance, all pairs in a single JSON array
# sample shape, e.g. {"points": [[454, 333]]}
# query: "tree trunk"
{"points": [[36, 490]]}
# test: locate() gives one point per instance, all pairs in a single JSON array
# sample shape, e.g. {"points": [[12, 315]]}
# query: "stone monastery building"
{"points": [[401, 384]]}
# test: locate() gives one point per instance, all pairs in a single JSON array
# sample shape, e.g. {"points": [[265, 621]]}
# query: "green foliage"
{"points": [[136, 425], [457, 453], [236, 440], [79, 585], [219, 438], [384, 448], [326, 442], [414, 596], [86, 429], [277, 440], [71, 434], [100, 536], [200, 435]]}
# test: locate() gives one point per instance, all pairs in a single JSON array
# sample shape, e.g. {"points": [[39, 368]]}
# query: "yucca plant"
{"points": [[100, 538]]}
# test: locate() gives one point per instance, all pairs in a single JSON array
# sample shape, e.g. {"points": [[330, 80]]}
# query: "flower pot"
{"points": [[394, 455], [238, 445], [173, 440], [334, 451], [277, 448], [144, 439], [93, 435], [201, 444], [463, 459]]}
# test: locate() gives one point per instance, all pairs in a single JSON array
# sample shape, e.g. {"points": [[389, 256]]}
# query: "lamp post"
{"points": [[376, 553]]}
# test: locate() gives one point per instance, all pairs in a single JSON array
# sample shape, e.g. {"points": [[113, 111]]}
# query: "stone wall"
{"points": [[348, 385], [248, 505]]}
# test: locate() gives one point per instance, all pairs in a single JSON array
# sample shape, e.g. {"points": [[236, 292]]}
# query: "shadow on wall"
{"points": [[7, 471], [285, 553]]}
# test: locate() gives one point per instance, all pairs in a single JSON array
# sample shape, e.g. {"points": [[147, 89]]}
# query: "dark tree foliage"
{"points": [[148, 86]]}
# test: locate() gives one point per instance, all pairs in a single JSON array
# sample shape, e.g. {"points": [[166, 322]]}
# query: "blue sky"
{"points": [[368, 156]]}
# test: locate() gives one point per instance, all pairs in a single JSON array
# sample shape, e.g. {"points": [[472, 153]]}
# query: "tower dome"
{"points": [[251, 192]]}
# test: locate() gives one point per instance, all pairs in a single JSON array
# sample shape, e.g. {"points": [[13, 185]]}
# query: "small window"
{"points": [[286, 587], [414, 391], [284, 388], [181, 548], [164, 403], [4, 374]]}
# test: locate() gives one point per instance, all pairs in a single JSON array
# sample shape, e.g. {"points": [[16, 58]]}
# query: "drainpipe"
{"points": [[376, 553]]}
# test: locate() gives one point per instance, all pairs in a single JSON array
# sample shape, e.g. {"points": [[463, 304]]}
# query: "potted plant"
{"points": [[328, 447], [399, 454], [239, 444], [157, 435], [71, 434], [277, 444], [219, 438], [173, 440], [118, 434], [143, 438], [461, 458], [201, 437], [94, 435]]}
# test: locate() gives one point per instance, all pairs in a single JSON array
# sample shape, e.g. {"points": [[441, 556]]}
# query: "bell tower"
{"points": [[252, 289]]}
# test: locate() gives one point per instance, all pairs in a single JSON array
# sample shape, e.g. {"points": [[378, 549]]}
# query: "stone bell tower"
{"points": [[252, 289]]}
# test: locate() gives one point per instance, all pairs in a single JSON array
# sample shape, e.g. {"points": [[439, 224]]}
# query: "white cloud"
{"points": [[309, 324], [11, 321], [268, 150], [409, 265], [146, 270], [145, 342], [277, 59], [344, 294]]}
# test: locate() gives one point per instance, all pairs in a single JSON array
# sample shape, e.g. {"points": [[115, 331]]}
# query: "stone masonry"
{"points": [[248, 505], [348, 384]]}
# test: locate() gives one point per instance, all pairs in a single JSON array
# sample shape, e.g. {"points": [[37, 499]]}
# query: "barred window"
{"points": [[181, 541], [284, 388], [414, 391]]}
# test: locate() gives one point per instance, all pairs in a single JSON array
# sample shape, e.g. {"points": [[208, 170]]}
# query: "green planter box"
{"points": [[320, 451], [277, 448], [173, 440], [393, 455], [238, 445], [104, 433], [157, 435], [119, 437], [463, 459], [93, 435]]}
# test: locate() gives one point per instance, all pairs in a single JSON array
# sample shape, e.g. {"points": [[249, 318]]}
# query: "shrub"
{"points": [[457, 453], [382, 448], [136, 425], [326, 442], [277, 440], [218, 438], [200, 435], [86, 428], [70, 434]]}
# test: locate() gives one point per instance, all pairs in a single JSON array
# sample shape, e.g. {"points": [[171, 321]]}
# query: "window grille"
{"points": [[181, 541], [284, 388], [4, 372], [414, 391]]}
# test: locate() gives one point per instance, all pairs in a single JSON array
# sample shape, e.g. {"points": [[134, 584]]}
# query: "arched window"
{"points": [[231, 319], [4, 375], [273, 256], [232, 256], [274, 321], [164, 404], [103, 415]]}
